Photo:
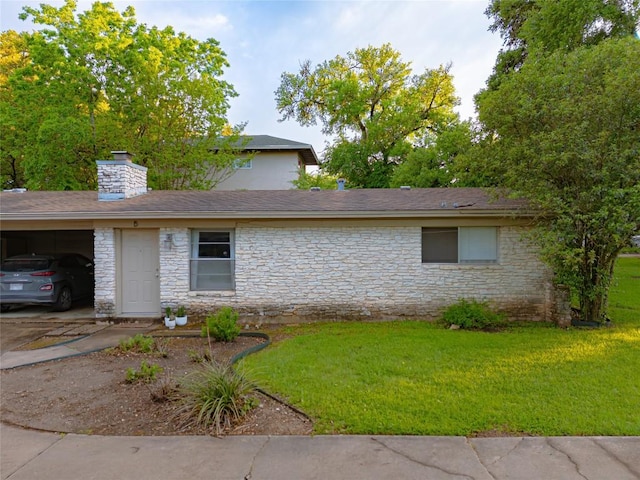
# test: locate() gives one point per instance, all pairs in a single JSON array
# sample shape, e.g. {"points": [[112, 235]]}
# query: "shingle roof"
{"points": [[366, 203], [267, 142]]}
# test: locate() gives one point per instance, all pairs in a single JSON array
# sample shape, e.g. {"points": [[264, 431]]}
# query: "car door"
{"points": [[77, 274]]}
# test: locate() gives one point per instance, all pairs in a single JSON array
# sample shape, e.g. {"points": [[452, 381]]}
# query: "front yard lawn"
{"points": [[418, 378]]}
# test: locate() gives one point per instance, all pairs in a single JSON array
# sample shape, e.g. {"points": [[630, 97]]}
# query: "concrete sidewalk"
{"points": [[28, 455]]}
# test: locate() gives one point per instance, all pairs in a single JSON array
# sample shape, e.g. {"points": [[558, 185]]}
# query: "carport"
{"points": [[47, 241]]}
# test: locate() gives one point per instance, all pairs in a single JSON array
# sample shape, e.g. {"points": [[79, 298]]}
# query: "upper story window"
{"points": [[212, 260], [460, 245]]}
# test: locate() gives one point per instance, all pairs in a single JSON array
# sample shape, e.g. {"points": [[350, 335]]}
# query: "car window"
{"points": [[25, 264], [70, 261]]}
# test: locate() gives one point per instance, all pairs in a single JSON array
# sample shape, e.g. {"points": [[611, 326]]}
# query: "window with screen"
{"points": [[212, 260]]}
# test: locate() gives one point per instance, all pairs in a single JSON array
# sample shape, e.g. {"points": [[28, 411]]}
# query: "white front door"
{"points": [[140, 286]]}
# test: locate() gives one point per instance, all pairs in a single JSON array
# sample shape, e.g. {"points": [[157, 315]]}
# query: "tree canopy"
{"points": [[374, 106], [560, 121], [434, 162], [543, 26], [98, 81], [565, 133]]}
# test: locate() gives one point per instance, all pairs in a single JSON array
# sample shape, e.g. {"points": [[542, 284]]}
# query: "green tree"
{"points": [[433, 163], [99, 81], [565, 134], [373, 105], [531, 27], [13, 55], [322, 180]]}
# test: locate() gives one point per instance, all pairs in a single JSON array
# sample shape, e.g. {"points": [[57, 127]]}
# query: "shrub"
{"points": [[144, 344], [214, 396], [140, 343], [147, 373], [472, 315], [222, 326]]}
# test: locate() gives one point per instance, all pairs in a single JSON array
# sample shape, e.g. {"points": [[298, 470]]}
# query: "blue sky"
{"points": [[263, 39]]}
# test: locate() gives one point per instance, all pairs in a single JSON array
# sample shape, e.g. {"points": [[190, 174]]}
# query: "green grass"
{"points": [[417, 378], [624, 296]]}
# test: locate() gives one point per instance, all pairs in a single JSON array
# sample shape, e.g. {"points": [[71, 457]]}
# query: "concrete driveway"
{"points": [[25, 324]]}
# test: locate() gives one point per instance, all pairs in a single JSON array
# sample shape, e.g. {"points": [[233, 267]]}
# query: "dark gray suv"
{"points": [[57, 280]]}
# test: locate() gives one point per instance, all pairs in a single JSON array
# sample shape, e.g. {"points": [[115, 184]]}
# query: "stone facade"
{"points": [[331, 273], [105, 272], [120, 178]]}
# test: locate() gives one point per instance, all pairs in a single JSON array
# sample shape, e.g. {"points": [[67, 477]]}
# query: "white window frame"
{"points": [[195, 260], [476, 245]]}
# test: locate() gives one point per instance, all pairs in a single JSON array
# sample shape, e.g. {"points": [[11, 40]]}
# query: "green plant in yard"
{"points": [[147, 372], [214, 396], [139, 343], [144, 344], [222, 326], [471, 315]]}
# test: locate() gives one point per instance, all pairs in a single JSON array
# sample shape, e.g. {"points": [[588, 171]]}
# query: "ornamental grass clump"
{"points": [[214, 397], [222, 326], [471, 315]]}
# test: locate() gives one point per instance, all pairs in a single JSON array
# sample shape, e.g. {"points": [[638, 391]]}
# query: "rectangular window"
{"points": [[243, 164], [460, 245], [439, 245], [212, 260]]}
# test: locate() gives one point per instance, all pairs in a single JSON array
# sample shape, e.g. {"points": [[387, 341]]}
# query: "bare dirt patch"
{"points": [[89, 394]]}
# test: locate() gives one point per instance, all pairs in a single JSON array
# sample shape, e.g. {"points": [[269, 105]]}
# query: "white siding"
{"points": [[269, 171]]}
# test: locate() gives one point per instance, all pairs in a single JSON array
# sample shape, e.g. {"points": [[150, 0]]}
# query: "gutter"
{"points": [[285, 215]]}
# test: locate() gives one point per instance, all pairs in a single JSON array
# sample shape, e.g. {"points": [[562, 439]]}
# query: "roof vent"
{"points": [[315, 189], [405, 187], [341, 182]]}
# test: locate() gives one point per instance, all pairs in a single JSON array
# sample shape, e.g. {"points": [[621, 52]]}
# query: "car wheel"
{"points": [[4, 308], [64, 300]]}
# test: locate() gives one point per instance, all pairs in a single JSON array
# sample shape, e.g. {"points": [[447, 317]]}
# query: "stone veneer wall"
{"points": [[325, 273], [105, 272], [120, 179]]}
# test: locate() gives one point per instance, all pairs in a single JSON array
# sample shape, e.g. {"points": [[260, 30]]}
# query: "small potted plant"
{"points": [[181, 316], [169, 318]]}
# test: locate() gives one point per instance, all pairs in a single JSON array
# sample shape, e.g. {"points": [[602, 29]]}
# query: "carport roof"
{"points": [[180, 204]]}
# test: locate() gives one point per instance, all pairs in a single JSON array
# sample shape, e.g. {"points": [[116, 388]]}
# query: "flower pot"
{"points": [[181, 321], [170, 322]]}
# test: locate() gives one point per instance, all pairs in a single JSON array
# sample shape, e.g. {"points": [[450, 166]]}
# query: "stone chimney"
{"points": [[120, 178]]}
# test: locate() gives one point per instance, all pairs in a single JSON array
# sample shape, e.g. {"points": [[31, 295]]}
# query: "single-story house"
{"points": [[274, 164], [288, 255]]}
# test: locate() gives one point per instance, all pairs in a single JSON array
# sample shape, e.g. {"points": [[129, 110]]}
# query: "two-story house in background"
{"points": [[275, 163]]}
